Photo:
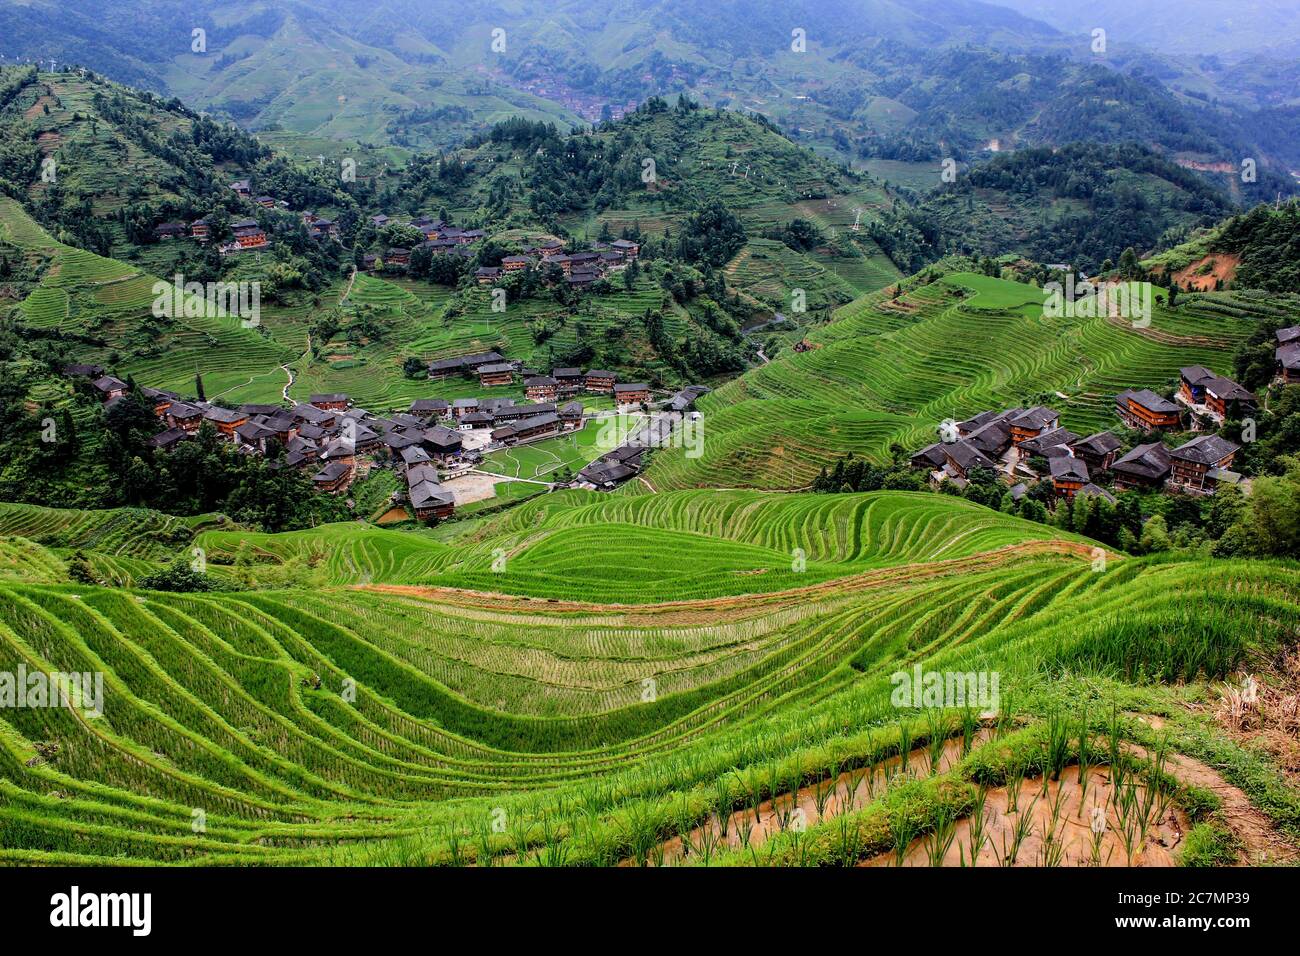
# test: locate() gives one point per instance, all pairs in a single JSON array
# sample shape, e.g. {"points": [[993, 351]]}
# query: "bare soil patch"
{"points": [[1203, 275], [474, 487]]}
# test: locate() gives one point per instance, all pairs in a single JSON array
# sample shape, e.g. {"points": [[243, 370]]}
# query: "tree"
{"points": [[178, 576], [79, 569], [1273, 521], [198, 387], [413, 367], [1129, 265], [1155, 536]]}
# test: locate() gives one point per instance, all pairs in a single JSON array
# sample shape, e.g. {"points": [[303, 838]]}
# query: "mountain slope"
{"points": [[889, 371], [878, 77], [1080, 204]]}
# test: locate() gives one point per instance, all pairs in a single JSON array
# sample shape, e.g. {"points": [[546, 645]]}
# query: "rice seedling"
{"points": [[1058, 743], [904, 744], [1130, 829], [454, 848], [555, 850], [745, 830], [1015, 780], [723, 801], [902, 829], [977, 826], [1020, 830], [1114, 745], [943, 831], [1097, 828], [822, 791], [485, 855], [970, 723], [936, 731], [849, 833], [1052, 849]]}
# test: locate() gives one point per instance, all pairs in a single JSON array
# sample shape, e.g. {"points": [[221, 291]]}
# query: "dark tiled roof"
{"points": [[967, 455], [1102, 443], [332, 472], [426, 494], [606, 472], [1150, 461], [441, 436], [931, 455], [429, 405], [1037, 417], [1096, 492], [1069, 469], [168, 438], [1206, 450], [223, 415], [1148, 400], [1045, 440]]}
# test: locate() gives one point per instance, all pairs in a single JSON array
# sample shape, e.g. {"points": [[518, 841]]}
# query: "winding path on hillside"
{"points": [[284, 392]]}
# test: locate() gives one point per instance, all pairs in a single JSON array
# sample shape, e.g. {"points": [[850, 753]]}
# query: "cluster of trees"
{"points": [[1268, 242], [712, 235], [79, 456], [1127, 196], [852, 474], [799, 234]]}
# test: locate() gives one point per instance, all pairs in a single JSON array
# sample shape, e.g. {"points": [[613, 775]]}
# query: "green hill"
{"points": [[872, 79], [1078, 205], [890, 370]]}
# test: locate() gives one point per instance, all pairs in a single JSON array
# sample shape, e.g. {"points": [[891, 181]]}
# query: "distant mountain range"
{"points": [[917, 80], [1186, 27]]}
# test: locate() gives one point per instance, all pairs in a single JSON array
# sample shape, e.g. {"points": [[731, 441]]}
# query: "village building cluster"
{"points": [[1012, 441], [246, 234], [337, 442], [439, 237], [577, 269]]}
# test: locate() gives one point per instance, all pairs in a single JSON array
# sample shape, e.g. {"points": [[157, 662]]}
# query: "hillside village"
{"points": [[553, 260], [1028, 446], [434, 441]]}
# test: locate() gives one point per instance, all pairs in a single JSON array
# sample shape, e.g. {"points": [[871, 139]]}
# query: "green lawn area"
{"points": [[540, 460]]}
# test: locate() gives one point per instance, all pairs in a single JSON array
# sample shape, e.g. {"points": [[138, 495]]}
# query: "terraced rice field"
{"points": [[85, 293], [679, 544], [124, 532], [335, 723], [889, 371]]}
